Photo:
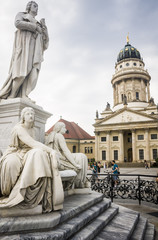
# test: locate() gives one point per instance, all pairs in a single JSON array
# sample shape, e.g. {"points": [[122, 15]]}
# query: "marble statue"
{"points": [[29, 170], [31, 39], [124, 99], [74, 161]]}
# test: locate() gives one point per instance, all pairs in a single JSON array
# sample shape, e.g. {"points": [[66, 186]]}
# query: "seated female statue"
{"points": [[28, 170], [75, 161]]}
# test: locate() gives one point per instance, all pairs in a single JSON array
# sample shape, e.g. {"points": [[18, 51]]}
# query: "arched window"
{"points": [[91, 150], [129, 96], [85, 150], [103, 155], [137, 95]]}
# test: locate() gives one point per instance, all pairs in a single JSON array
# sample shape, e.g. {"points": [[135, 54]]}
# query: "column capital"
{"points": [[146, 129], [121, 131], [108, 132], [97, 133], [133, 130]]}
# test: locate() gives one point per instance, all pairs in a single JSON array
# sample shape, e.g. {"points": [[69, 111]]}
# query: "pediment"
{"points": [[126, 116], [115, 147], [140, 146], [154, 145], [103, 147]]}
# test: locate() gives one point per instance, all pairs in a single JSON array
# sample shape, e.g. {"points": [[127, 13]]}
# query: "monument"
{"points": [[29, 170], [31, 40]]}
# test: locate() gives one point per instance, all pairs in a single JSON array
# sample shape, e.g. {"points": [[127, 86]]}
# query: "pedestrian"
{"points": [[95, 170], [115, 171], [99, 166], [146, 164]]}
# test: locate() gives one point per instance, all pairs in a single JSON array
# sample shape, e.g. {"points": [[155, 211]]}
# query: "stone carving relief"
{"points": [[126, 116]]}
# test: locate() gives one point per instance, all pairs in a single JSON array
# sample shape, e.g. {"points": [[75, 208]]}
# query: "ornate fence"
{"points": [[139, 187]]}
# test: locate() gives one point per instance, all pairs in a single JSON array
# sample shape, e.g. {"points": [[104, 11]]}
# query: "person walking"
{"points": [[115, 171], [99, 166], [146, 164], [95, 170]]}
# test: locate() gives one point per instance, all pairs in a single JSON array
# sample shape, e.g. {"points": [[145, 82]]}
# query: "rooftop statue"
{"points": [[29, 170], [31, 39], [74, 161], [107, 106]]}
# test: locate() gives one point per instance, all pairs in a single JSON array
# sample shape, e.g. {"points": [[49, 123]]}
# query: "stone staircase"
{"points": [[85, 216]]}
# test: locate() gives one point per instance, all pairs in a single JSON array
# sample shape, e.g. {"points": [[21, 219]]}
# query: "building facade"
{"points": [[129, 131]]}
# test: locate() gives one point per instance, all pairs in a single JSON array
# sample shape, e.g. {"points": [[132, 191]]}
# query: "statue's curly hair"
{"points": [[28, 6]]}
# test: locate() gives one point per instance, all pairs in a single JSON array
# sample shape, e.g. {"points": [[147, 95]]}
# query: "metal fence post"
{"points": [[111, 188], [139, 194]]}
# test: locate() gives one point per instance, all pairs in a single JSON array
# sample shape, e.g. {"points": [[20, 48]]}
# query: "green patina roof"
{"points": [[128, 52]]}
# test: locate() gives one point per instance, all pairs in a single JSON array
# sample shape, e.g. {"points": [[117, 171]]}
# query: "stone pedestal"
{"points": [[10, 111]]}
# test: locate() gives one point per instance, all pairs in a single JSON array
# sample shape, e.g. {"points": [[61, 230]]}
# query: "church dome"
{"points": [[128, 52]]}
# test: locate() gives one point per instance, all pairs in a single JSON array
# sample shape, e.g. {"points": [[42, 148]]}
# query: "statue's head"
{"points": [[32, 6], [58, 127], [24, 113]]}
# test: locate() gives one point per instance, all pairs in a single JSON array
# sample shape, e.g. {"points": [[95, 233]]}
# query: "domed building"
{"points": [[129, 131]]}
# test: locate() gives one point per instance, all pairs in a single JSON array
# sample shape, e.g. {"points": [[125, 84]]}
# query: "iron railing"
{"points": [[129, 186]]}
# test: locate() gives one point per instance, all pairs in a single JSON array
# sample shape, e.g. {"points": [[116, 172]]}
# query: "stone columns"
{"points": [[148, 90], [147, 156], [96, 146], [116, 97], [121, 157], [124, 89], [108, 155], [134, 144], [114, 94], [142, 91], [133, 90]]}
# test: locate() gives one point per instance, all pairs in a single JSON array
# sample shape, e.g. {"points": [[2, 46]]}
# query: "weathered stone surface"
{"points": [[73, 205], [150, 232], [140, 229], [10, 111], [85, 217]]}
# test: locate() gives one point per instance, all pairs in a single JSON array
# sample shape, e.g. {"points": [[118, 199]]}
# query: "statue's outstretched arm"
{"points": [[66, 152], [32, 143]]}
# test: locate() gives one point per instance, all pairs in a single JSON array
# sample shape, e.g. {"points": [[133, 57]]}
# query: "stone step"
{"points": [[121, 227], [91, 230], [73, 205], [67, 229], [150, 232], [140, 229], [84, 217]]}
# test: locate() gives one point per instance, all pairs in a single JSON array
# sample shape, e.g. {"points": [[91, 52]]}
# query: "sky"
{"points": [[85, 39]]}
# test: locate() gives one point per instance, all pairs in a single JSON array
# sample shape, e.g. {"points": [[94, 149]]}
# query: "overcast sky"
{"points": [[85, 39]]}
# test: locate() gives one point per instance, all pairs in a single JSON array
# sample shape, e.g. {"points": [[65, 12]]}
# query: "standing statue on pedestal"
{"points": [[31, 39], [67, 160], [29, 170]]}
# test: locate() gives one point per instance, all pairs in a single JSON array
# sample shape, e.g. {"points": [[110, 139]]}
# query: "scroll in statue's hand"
{"points": [[78, 166], [39, 29]]}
